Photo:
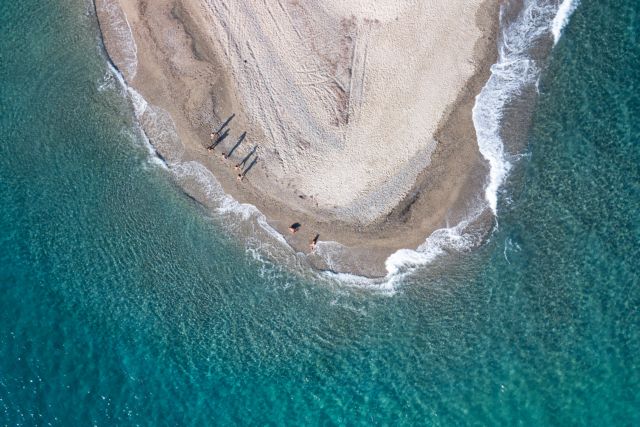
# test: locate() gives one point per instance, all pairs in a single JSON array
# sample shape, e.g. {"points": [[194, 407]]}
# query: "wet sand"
{"points": [[361, 116]]}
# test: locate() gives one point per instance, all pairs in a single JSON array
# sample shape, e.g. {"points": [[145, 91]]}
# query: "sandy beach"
{"points": [[354, 116]]}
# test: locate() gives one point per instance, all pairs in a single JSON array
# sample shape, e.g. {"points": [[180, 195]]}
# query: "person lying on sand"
{"points": [[213, 135], [237, 167], [294, 227], [224, 156], [240, 177]]}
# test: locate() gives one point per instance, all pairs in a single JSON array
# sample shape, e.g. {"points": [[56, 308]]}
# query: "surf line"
{"points": [[513, 71]]}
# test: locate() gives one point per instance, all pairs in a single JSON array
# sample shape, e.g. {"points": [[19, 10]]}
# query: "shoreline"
{"points": [[363, 249]]}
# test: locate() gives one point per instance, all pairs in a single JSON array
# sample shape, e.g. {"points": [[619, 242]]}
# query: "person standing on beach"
{"points": [[314, 242]]}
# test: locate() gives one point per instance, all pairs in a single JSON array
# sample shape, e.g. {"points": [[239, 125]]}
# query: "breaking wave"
{"points": [[514, 70], [115, 20], [566, 9]]}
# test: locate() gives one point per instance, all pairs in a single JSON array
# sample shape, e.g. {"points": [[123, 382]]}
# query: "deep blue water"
{"points": [[123, 302]]}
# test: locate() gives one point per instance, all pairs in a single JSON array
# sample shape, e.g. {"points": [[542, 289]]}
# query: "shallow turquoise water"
{"points": [[122, 302]]}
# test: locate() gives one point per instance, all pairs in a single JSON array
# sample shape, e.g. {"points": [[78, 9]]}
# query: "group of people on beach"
{"points": [[217, 136]]}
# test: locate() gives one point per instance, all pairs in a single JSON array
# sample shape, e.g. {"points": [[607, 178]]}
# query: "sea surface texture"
{"points": [[124, 302]]}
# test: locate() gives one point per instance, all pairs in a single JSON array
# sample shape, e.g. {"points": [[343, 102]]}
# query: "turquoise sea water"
{"points": [[123, 302]]}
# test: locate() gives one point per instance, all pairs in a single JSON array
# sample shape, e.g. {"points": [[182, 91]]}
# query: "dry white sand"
{"points": [[348, 94]]}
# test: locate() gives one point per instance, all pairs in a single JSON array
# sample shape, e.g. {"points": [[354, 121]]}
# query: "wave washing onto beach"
{"points": [[120, 30], [403, 262], [513, 71], [566, 9], [243, 218]]}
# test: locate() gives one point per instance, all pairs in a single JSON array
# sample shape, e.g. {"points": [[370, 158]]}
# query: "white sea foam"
{"points": [[200, 175], [158, 126], [154, 159], [203, 177], [106, 82], [514, 70], [566, 9], [224, 204], [139, 103], [438, 243], [262, 221], [117, 75], [120, 29], [139, 107], [196, 172], [387, 285], [403, 262]]}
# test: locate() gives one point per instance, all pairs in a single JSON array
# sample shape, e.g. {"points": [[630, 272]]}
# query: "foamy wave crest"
{"points": [[197, 178], [139, 103], [333, 252], [158, 127], [566, 9], [107, 81], [387, 285], [438, 243], [117, 28], [514, 70], [262, 238], [404, 262], [108, 78], [195, 173], [154, 159], [154, 122], [139, 108]]}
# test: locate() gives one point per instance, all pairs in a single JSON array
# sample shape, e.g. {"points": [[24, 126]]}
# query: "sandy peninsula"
{"points": [[355, 115]]}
